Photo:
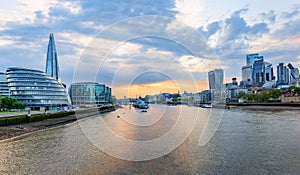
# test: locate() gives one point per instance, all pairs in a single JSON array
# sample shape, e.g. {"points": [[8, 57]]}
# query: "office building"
{"points": [[4, 89], [247, 73], [202, 97], [282, 74], [268, 72], [89, 93], [251, 58], [293, 73], [211, 80], [258, 72], [36, 89], [215, 79], [52, 62]]}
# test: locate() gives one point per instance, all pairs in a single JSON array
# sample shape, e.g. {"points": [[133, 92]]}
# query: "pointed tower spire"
{"points": [[52, 63]]}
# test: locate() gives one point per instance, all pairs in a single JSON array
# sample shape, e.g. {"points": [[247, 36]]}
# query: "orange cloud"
{"points": [[136, 90]]}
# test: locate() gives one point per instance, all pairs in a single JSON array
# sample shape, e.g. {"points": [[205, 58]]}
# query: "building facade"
{"points": [[268, 72], [247, 73], [89, 93], [4, 89], [215, 79], [36, 89], [251, 58], [52, 61], [211, 80], [282, 74], [258, 72], [293, 73], [202, 97]]}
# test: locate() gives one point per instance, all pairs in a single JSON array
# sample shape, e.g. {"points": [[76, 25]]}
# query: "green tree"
{"points": [[241, 94], [176, 99], [19, 105], [0, 101], [12, 103], [263, 96], [294, 88], [275, 93]]}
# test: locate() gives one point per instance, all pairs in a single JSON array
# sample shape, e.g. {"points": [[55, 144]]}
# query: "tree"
{"points": [[241, 94], [264, 96], [275, 93], [0, 101], [294, 88], [12, 103]]}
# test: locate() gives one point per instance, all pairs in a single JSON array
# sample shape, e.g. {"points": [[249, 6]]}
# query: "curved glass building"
{"points": [[36, 88]]}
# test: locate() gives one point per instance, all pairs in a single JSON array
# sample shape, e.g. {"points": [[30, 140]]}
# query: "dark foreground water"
{"points": [[244, 142]]}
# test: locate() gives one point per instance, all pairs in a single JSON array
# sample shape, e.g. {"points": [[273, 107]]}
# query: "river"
{"points": [[163, 140]]}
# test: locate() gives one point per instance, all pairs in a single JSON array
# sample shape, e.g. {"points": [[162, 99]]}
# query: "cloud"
{"points": [[189, 12], [173, 37]]}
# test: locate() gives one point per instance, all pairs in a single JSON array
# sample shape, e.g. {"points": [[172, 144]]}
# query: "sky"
{"points": [[147, 47]]}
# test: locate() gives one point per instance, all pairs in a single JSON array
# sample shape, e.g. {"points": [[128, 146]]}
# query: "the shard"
{"points": [[52, 63]]}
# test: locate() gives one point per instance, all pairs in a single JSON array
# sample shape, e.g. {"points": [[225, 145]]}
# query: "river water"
{"points": [[163, 140]]}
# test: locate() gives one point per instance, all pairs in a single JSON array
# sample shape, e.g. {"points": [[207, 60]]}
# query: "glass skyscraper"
{"points": [[282, 74], [251, 58], [34, 87], [246, 73], [258, 72], [51, 62], [211, 80], [215, 79], [293, 73]]}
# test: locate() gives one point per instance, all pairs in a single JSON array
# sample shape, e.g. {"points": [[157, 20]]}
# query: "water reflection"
{"points": [[246, 142]]}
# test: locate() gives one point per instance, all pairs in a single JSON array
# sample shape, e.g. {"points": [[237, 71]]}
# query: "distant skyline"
{"points": [[175, 50]]}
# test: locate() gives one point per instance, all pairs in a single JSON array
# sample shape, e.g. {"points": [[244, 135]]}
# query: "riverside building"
{"points": [[89, 93], [36, 88]]}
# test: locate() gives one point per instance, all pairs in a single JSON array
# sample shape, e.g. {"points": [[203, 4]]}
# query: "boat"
{"points": [[141, 104], [206, 106]]}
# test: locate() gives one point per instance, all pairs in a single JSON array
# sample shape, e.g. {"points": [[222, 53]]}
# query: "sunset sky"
{"points": [[146, 47]]}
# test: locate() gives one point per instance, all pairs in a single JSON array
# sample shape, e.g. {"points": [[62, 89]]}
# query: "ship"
{"points": [[141, 104]]}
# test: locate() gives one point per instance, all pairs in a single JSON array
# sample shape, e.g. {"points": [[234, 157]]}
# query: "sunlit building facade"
{"points": [[247, 73]]}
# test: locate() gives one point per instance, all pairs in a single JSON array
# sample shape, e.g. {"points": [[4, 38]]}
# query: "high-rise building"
{"points": [[34, 87], [211, 80], [251, 58], [247, 73], [268, 73], [52, 63], [282, 74], [215, 79], [258, 72], [293, 73]]}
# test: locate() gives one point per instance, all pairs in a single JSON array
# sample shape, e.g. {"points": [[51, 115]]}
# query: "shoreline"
{"points": [[262, 107], [12, 132]]}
